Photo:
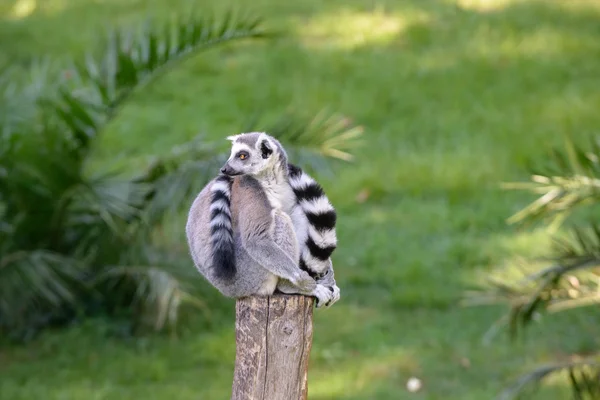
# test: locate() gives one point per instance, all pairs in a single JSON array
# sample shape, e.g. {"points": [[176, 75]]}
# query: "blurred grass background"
{"points": [[455, 97]]}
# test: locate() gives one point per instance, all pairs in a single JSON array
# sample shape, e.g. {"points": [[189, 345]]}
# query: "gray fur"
{"points": [[249, 138], [265, 245]]}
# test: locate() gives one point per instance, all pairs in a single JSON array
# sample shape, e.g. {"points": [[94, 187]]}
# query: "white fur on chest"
{"points": [[280, 196]]}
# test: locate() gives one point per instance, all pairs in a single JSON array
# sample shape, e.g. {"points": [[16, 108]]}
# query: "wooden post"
{"points": [[273, 342]]}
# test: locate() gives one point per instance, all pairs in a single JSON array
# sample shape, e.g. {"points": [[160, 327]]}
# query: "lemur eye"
{"points": [[242, 156]]}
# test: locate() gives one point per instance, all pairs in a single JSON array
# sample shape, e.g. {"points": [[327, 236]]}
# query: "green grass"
{"points": [[454, 98]]}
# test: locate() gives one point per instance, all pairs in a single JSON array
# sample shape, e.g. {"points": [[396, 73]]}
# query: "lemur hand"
{"points": [[328, 281], [323, 295], [335, 295]]}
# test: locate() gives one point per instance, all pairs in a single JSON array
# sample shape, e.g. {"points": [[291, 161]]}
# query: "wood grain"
{"points": [[273, 343]]}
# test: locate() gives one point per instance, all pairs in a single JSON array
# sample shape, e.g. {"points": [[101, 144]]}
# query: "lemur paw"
{"points": [[335, 295], [323, 295]]}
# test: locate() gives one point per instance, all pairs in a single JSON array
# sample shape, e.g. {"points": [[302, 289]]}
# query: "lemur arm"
{"points": [[259, 226], [261, 246]]}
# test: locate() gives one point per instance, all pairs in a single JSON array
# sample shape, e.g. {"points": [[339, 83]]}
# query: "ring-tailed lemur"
{"points": [[264, 225]]}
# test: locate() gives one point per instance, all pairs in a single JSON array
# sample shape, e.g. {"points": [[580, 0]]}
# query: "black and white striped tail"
{"points": [[221, 230], [321, 217]]}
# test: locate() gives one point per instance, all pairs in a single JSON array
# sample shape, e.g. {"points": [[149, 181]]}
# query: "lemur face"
{"points": [[251, 154]]}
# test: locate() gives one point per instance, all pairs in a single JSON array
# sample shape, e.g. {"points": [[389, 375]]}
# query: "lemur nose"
{"points": [[223, 170]]}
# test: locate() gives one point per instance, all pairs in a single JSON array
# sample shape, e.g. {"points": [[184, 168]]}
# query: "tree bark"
{"points": [[273, 342]]}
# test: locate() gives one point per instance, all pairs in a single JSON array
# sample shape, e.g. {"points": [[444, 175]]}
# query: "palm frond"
{"points": [[572, 180], [61, 227], [130, 61], [177, 176], [158, 293], [36, 282], [19, 96], [5, 227], [572, 280], [583, 376], [311, 140], [113, 201], [568, 180]]}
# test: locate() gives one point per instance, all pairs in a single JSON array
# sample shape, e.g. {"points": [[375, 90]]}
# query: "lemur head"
{"points": [[253, 154]]}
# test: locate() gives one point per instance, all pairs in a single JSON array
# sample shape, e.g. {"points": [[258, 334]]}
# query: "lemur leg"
{"points": [[276, 250], [323, 294]]}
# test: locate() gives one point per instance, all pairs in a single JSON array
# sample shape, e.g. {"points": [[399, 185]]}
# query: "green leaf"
{"points": [[570, 182], [158, 292], [50, 280], [583, 378]]}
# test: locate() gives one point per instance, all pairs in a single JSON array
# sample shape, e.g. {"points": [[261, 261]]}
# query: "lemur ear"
{"points": [[265, 149], [232, 138]]}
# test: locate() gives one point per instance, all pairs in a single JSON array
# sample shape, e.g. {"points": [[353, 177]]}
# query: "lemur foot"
{"points": [[323, 295], [335, 295]]}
